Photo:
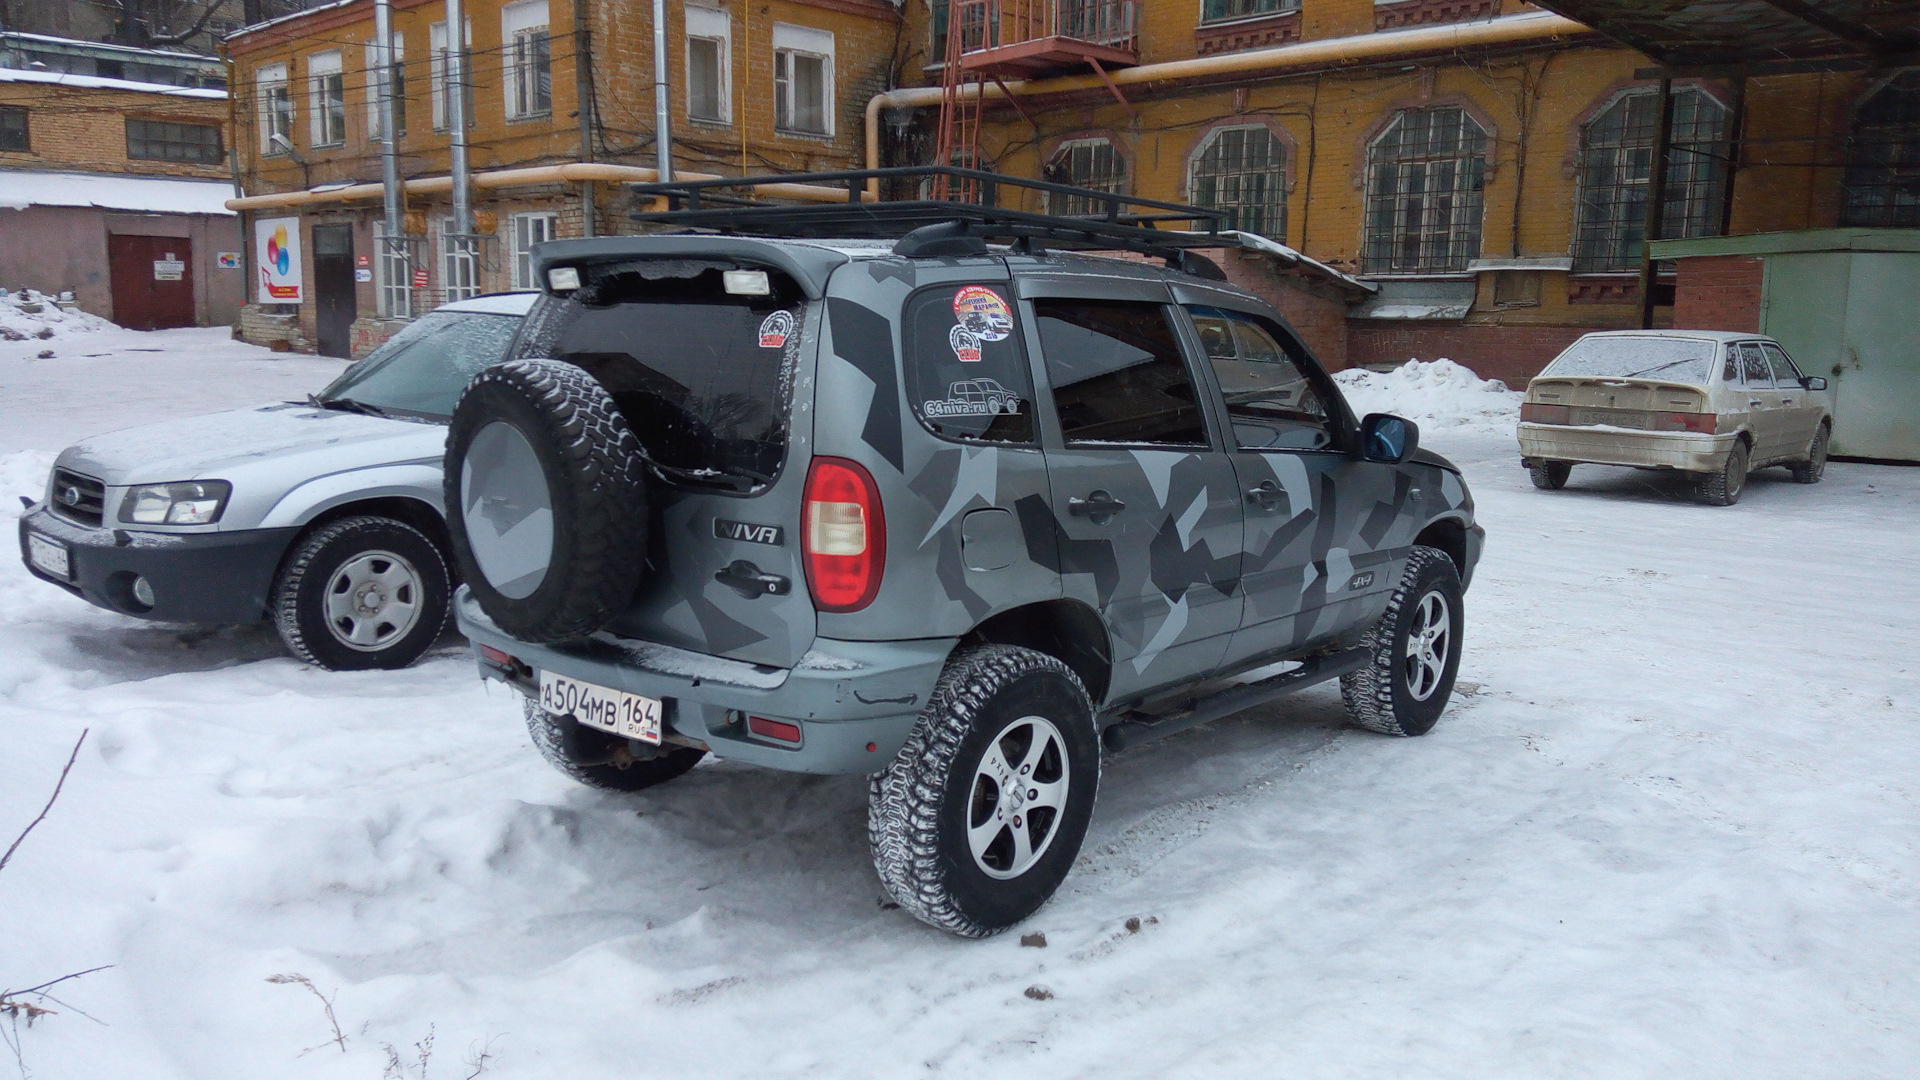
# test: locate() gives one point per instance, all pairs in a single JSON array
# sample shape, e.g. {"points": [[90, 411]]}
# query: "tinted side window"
{"points": [[1117, 373], [1784, 373], [1755, 362], [967, 374], [1271, 401]]}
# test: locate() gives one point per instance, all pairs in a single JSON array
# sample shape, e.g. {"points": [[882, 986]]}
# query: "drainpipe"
{"points": [[389, 151], [457, 120], [233, 162], [1656, 200], [583, 105], [662, 128], [1329, 52]]}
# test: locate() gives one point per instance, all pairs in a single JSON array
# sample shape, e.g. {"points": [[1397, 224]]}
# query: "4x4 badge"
{"points": [[751, 532]]}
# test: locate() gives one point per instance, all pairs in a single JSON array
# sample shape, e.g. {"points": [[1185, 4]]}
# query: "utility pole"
{"points": [[456, 94], [1656, 199], [391, 242], [662, 115], [583, 103]]}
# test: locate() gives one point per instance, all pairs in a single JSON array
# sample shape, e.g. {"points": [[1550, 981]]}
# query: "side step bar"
{"points": [[1318, 669]]}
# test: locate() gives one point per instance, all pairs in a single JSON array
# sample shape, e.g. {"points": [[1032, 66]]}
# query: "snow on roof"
{"points": [[107, 46], [1256, 242], [95, 82], [20, 189], [289, 17]]}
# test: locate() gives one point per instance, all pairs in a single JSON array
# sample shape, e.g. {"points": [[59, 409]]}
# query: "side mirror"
{"points": [[1813, 382], [1388, 438]]}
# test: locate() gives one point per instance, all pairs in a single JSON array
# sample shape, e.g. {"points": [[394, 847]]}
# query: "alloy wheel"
{"points": [[1428, 642], [1018, 793]]}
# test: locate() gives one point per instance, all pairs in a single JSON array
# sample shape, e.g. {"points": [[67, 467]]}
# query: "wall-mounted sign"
{"points": [[276, 250], [168, 269], [420, 278], [227, 260], [362, 260], [362, 274]]}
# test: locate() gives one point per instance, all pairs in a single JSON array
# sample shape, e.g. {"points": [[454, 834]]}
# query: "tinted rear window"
{"points": [[969, 376], [1683, 360], [704, 377]]}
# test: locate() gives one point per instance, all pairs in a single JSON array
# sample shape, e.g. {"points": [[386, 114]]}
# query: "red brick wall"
{"points": [[1719, 292], [1512, 354], [1318, 312]]}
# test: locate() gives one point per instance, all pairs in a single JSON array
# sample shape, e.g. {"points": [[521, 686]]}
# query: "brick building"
{"points": [[114, 189], [778, 85]]}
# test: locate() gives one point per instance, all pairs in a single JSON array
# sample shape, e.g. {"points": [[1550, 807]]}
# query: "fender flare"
{"points": [[419, 481]]}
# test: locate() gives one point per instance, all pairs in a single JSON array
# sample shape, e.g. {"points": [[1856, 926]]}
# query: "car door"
{"points": [[1299, 566], [1762, 403], [1145, 506], [1799, 409]]}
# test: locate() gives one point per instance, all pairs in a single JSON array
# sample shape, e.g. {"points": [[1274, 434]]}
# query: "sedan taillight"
{"points": [[1535, 413], [1703, 423], [843, 535]]}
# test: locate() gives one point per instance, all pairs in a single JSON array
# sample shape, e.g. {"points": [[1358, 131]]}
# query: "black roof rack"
{"points": [[930, 227]]}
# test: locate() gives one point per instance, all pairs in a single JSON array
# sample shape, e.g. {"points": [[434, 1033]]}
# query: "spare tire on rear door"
{"points": [[546, 499]]}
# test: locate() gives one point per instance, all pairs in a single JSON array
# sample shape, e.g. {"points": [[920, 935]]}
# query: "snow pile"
{"points": [[29, 315], [1440, 394]]}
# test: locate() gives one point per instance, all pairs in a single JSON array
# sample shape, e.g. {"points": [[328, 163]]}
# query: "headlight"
{"points": [[194, 502]]}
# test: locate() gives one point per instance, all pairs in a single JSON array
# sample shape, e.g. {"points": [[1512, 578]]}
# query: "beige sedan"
{"points": [[1714, 404]]}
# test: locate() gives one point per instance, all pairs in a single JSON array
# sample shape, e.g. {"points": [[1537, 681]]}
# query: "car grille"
{"points": [[79, 499]]}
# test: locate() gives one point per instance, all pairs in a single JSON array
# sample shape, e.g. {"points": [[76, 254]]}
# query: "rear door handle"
{"points": [[1756, 404], [1098, 507], [750, 581], [1266, 497]]}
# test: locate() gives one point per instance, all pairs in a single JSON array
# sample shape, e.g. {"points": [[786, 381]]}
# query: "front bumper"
{"points": [[855, 702], [1683, 450], [196, 577]]}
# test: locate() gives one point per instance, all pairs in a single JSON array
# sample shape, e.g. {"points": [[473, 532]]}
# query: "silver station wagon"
{"points": [[1714, 404]]}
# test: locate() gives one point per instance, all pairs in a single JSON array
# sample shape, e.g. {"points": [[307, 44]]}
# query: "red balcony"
{"points": [[1025, 39]]}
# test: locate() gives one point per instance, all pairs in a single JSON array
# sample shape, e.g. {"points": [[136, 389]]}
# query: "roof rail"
{"points": [[929, 226]]}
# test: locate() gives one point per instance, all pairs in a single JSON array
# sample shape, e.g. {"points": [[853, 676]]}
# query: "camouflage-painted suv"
{"points": [[953, 516]]}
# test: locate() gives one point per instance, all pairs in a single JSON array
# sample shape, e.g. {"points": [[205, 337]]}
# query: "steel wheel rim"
{"points": [[373, 600], [1736, 474], [1429, 641], [1017, 798]]}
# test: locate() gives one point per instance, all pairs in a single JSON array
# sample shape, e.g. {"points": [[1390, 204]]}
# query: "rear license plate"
{"points": [[624, 714], [49, 556]]}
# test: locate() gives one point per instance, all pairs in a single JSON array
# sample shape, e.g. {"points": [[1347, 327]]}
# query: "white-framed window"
{"points": [[399, 89], [802, 79], [276, 107], [459, 265], [1094, 164], [392, 276], [530, 229], [1229, 10], [440, 73], [1243, 171], [327, 96], [1425, 178], [528, 59], [709, 46]]}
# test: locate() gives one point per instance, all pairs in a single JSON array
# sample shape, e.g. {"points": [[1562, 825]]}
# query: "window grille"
{"points": [[1425, 175], [160, 140], [1224, 10], [1243, 170], [1882, 184], [13, 130], [1089, 163], [459, 265], [1616, 161]]}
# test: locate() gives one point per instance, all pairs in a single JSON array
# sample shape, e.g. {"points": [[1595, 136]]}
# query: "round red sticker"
{"points": [[983, 313]]}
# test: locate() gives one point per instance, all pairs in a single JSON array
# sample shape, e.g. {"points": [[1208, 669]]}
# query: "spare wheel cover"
{"points": [[507, 510]]}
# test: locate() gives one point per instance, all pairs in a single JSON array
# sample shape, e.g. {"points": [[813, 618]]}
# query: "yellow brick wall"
{"points": [[84, 128]]}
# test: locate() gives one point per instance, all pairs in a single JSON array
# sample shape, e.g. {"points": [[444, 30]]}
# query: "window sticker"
{"points": [[775, 330], [981, 311], [965, 344], [974, 397]]}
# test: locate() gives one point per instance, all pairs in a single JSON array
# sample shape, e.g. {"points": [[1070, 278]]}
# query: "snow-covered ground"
{"points": [[1667, 828]]}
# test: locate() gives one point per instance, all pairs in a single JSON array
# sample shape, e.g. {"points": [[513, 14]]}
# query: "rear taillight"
{"points": [[843, 535], [1534, 413], [1703, 423]]}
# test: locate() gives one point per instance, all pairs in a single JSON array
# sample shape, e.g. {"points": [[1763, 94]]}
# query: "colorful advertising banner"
{"points": [[276, 251]]}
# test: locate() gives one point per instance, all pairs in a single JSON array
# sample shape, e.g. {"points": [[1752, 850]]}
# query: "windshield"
{"points": [[423, 368], [1671, 359], [703, 375]]}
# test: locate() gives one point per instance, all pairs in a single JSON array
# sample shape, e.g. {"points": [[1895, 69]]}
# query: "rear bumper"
{"points": [[1682, 450], [196, 577], [855, 702]]}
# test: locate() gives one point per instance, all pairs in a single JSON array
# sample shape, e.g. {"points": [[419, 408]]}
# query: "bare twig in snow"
{"points": [[71, 758], [478, 1055], [14, 1006], [297, 979]]}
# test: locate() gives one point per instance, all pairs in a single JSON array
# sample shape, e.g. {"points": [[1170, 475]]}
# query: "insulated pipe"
{"points": [[456, 94], [579, 172], [662, 121], [389, 152], [1427, 39]]}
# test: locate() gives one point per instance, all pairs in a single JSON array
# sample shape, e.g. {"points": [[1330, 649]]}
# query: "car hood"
{"points": [[1427, 457], [300, 439]]}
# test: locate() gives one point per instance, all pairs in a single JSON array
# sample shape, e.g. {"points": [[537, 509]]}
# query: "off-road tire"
{"points": [[1378, 696], [1815, 466], [1549, 475], [299, 605], [595, 482], [600, 759], [918, 807], [1724, 487]]}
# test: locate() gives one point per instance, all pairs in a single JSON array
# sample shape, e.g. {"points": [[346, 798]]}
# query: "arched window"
{"points": [[1883, 157], [1425, 173], [1616, 160], [1243, 171], [1087, 163]]}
